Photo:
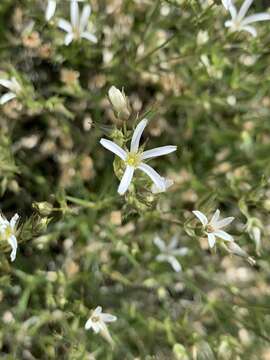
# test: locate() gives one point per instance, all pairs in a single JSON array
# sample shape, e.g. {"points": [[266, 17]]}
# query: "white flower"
{"points": [[77, 28], [14, 87], [50, 10], [134, 158], [239, 22], [118, 100], [8, 233], [98, 320], [169, 252], [167, 184], [213, 227]]}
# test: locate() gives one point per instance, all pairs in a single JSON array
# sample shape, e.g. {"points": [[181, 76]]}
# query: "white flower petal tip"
{"points": [[133, 159], [167, 184], [201, 217], [77, 28], [50, 10], [238, 20]]}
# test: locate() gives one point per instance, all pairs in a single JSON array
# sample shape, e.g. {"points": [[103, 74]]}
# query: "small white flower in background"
{"points": [[213, 227], [133, 159], [118, 101], [77, 27], [167, 184], [50, 10], [241, 23], [8, 233], [14, 87], [97, 322], [202, 37], [169, 252]]}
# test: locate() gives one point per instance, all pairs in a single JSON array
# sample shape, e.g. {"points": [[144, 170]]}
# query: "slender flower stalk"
{"points": [[50, 10], [169, 252], [8, 233], [14, 87], [238, 20], [134, 158], [76, 29], [213, 227]]}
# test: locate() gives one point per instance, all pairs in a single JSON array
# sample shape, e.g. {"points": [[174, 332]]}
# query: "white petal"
{"points": [[215, 218], [254, 18], [174, 263], [50, 11], [211, 240], [13, 221], [162, 257], [167, 184], [159, 243], [244, 9], [135, 141], [250, 29], [227, 4], [223, 235], [173, 243], [126, 180], [108, 317], [88, 324], [65, 25], [233, 12], [6, 83], [201, 217], [7, 97], [155, 177], [13, 243], [224, 222], [97, 311], [180, 252], [74, 13], [163, 150], [111, 146], [228, 23], [68, 39], [85, 16], [88, 36]]}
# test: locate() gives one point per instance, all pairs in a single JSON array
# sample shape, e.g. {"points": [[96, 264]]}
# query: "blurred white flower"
{"points": [[202, 37], [241, 23], [77, 27], [213, 227], [97, 322], [118, 100], [167, 184], [169, 252], [8, 233], [134, 158], [50, 10], [14, 87]]}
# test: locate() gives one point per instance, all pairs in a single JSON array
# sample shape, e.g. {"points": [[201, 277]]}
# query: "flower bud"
{"points": [[44, 208], [235, 249], [119, 101]]}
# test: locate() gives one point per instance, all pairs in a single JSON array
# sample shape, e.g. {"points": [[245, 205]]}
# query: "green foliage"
{"points": [[81, 244]]}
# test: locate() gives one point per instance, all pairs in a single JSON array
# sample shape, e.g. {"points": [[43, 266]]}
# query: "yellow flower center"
{"points": [[8, 232], [210, 229], [133, 159], [95, 319]]}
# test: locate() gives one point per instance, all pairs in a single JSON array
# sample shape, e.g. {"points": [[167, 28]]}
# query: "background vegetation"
{"points": [[206, 90]]}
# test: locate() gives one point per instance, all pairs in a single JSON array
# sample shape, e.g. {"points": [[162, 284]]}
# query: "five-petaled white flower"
{"points": [[98, 320], [169, 252], [213, 227], [77, 28], [14, 87], [133, 159], [8, 233], [241, 23], [50, 10]]}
